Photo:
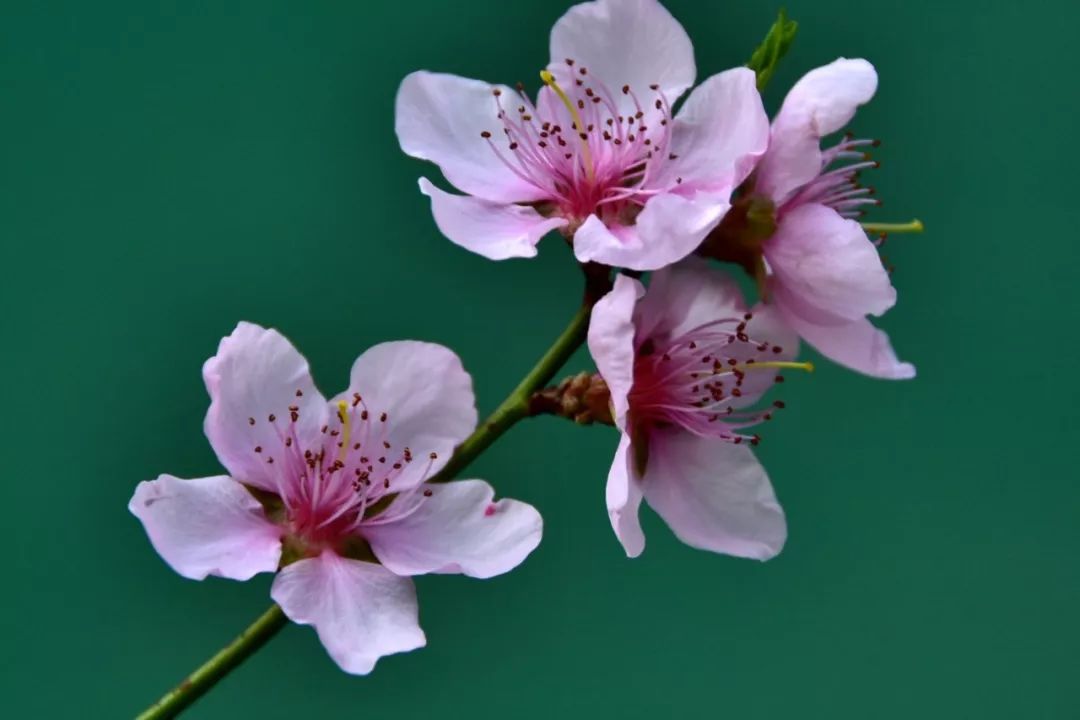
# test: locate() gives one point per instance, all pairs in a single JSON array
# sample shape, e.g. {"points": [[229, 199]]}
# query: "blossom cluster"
{"points": [[337, 495]]}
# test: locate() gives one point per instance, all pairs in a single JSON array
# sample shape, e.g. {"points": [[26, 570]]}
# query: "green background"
{"points": [[170, 168]]}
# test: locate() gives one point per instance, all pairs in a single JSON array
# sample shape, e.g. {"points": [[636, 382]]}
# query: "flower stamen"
{"points": [[579, 126], [346, 430], [772, 364], [915, 226]]}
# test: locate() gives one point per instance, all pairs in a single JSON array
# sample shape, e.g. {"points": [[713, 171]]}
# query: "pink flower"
{"points": [[825, 273], [684, 360], [600, 154], [343, 491]]}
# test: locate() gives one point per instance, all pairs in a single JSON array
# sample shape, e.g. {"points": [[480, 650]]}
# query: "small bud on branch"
{"points": [[583, 398]]}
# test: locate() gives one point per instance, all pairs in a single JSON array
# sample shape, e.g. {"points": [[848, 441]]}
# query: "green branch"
{"points": [[516, 406], [195, 685]]}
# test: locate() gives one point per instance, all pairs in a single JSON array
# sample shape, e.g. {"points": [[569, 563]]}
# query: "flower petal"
{"points": [[207, 526], [826, 262], [439, 117], [822, 102], [717, 137], [611, 341], [360, 610], [623, 495], [687, 295], [669, 228], [257, 375], [714, 495], [427, 397], [624, 42], [458, 528], [494, 230], [855, 344]]}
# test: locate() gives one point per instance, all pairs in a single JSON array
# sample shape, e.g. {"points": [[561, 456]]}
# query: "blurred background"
{"points": [[171, 168]]}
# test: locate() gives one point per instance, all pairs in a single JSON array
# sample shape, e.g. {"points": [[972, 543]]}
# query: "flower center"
{"points": [[346, 478], [741, 234], [753, 218], [701, 379], [612, 163]]}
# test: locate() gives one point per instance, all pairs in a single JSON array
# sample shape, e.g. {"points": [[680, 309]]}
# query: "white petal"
{"points": [[360, 610], [427, 397], [257, 374], [611, 341], [828, 263], [687, 295], [439, 117], [855, 344], [668, 229], [623, 495], [714, 495], [207, 526], [624, 42], [718, 135], [494, 230], [822, 102], [458, 528]]}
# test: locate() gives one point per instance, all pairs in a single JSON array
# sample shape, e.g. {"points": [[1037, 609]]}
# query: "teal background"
{"points": [[170, 168]]}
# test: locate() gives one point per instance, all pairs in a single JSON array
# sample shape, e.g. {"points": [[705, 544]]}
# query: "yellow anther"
{"points": [[915, 226], [579, 126], [346, 428]]}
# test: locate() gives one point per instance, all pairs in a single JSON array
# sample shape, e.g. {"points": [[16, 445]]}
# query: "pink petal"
{"points": [[855, 344], [687, 295], [668, 229], [623, 495], [611, 341], [714, 495], [207, 526], [494, 230], [821, 103], [718, 135], [458, 528], [257, 374], [826, 262], [360, 610], [624, 42], [439, 117], [427, 397]]}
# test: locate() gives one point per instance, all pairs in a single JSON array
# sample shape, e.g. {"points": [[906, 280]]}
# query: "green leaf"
{"points": [[775, 45]]}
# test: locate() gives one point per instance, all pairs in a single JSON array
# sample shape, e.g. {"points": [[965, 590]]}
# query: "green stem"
{"points": [[209, 673], [516, 406]]}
